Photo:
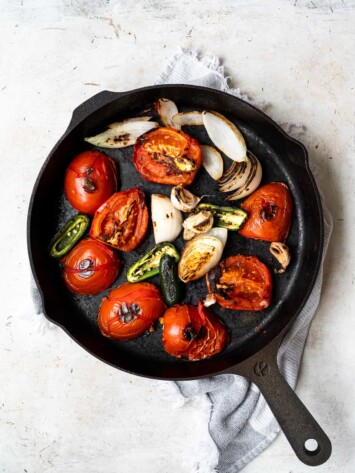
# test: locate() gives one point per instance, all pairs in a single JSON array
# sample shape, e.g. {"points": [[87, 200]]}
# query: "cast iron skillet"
{"points": [[256, 336]]}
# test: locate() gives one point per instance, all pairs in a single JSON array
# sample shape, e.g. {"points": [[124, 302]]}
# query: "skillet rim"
{"points": [[78, 118]]}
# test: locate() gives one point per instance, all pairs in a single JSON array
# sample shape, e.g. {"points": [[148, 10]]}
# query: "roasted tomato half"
{"points": [[193, 332], [122, 221], [90, 179], [167, 156], [130, 310], [240, 283], [90, 267], [269, 211]]}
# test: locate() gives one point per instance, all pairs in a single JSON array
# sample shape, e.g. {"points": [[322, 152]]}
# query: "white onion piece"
{"points": [[243, 178], [126, 120], [212, 161], [167, 220], [122, 134], [199, 256], [188, 119], [220, 233], [225, 135], [167, 109]]}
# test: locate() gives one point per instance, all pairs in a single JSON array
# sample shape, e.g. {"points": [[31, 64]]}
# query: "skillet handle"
{"points": [[306, 437], [90, 106]]}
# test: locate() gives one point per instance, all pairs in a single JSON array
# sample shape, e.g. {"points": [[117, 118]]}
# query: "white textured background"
{"points": [[62, 410]]}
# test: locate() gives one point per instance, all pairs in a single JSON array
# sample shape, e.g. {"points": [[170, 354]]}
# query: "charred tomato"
{"points": [[89, 180], [90, 267], [130, 310], [122, 221], [193, 332], [241, 283], [167, 156], [269, 211]]}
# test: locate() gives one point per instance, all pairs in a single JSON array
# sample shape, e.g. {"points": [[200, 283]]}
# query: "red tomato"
{"points": [[241, 283], [269, 213], [130, 310], [193, 332], [167, 156], [90, 267], [90, 179], [122, 221]]}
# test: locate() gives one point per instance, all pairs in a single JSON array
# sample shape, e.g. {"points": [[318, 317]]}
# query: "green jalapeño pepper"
{"points": [[170, 284], [68, 235], [148, 265]]}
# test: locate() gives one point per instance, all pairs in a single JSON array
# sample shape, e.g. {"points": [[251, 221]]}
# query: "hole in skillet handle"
{"points": [[312, 447]]}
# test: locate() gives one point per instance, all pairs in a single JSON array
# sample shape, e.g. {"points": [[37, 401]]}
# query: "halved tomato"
{"points": [[130, 310], [122, 221], [90, 267], [167, 156], [90, 179], [193, 332], [269, 211], [241, 283]]}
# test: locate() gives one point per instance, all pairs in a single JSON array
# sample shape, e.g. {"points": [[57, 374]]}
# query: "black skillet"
{"points": [[255, 336]]}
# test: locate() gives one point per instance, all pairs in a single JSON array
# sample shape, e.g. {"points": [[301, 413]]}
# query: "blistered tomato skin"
{"points": [[167, 156], [90, 179], [130, 310], [193, 332], [122, 221], [90, 267], [269, 211], [241, 283]]}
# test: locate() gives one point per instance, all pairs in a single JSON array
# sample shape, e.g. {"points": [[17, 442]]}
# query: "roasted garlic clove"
{"points": [[183, 200], [199, 223], [282, 253]]}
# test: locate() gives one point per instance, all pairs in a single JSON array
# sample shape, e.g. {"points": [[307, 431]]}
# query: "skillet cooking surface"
{"points": [[282, 159]]}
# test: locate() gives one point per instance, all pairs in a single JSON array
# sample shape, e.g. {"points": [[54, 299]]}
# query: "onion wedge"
{"points": [[243, 178], [188, 119], [225, 135], [167, 109], [129, 120], [199, 256], [167, 220], [212, 161], [220, 233], [122, 134]]}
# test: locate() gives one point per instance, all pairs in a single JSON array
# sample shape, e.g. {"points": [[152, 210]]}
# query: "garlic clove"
{"points": [[167, 109], [282, 253], [199, 223], [182, 199], [188, 234]]}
